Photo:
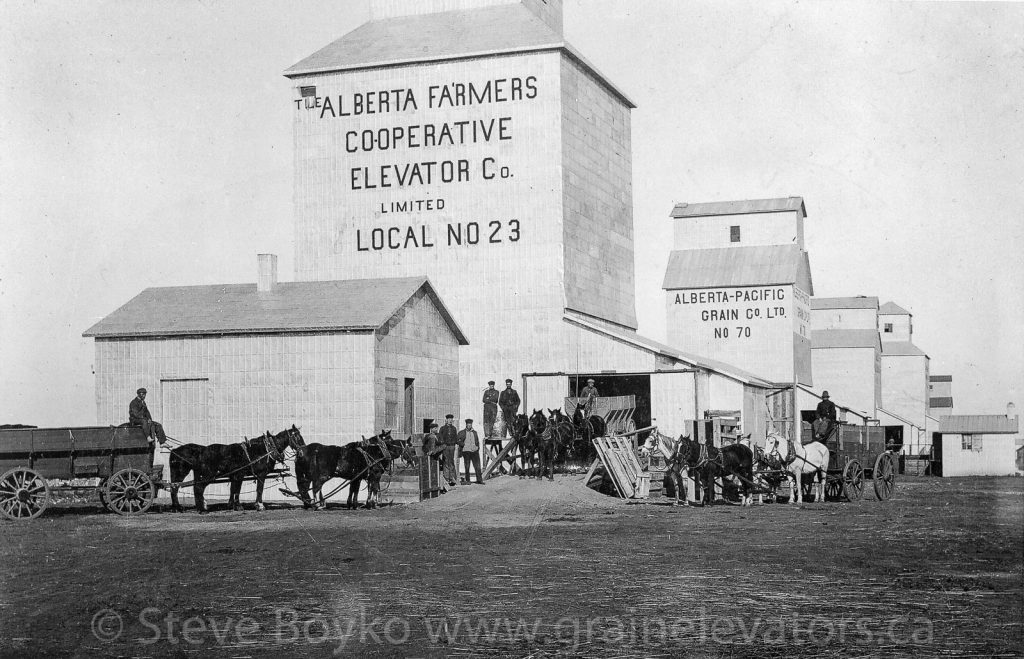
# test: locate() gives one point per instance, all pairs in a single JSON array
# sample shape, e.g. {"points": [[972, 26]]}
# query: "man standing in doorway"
{"points": [[490, 409], [588, 395], [508, 401], [138, 415], [469, 445], [449, 437]]}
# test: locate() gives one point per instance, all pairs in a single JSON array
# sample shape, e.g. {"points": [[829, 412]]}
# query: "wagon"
{"points": [[856, 454], [617, 412], [117, 461]]}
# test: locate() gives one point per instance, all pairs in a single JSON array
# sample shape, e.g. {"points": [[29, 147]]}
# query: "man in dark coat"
{"points": [[449, 438], [508, 401], [469, 445], [826, 408], [138, 415], [490, 409]]}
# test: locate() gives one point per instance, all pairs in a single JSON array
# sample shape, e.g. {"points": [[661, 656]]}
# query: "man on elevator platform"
{"points": [[588, 394], [490, 409], [508, 401]]}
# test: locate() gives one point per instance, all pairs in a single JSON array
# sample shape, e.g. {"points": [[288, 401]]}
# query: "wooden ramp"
{"points": [[621, 464]]}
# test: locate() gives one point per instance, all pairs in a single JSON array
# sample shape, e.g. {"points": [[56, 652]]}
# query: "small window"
{"points": [[307, 91], [734, 234], [970, 442], [888, 328]]}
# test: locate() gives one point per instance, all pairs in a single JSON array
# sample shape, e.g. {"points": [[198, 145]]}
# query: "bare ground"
{"points": [[528, 568]]}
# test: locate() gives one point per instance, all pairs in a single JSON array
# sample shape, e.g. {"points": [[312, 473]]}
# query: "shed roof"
{"points": [[738, 266], [459, 34], [893, 309], [710, 208], [901, 349], [350, 305], [991, 424], [844, 338], [659, 348], [858, 302]]}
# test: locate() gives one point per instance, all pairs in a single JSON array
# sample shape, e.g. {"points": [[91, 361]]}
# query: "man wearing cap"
{"points": [[469, 445], [138, 415], [490, 409], [431, 448], [508, 401], [449, 438], [589, 393], [826, 408]]}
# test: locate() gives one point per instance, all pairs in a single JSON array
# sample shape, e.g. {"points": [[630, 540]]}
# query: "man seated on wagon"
{"points": [[139, 416]]}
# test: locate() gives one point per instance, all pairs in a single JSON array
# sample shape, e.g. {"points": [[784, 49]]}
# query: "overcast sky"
{"points": [[150, 144]]}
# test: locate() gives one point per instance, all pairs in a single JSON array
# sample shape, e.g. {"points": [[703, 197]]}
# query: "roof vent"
{"points": [[267, 269]]}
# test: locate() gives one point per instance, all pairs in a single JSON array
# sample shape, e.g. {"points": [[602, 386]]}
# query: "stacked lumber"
{"points": [[618, 456]]}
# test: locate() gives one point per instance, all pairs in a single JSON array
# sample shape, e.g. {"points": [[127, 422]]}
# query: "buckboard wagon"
{"points": [[118, 459]]}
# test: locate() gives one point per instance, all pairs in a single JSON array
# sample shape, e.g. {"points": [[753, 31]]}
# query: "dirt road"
{"points": [[527, 568]]}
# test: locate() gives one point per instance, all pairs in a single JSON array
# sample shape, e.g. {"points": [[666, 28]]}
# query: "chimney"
{"points": [[267, 267]]}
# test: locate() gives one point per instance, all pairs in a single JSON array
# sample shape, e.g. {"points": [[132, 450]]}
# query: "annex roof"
{"points": [[901, 349], [763, 265], [354, 305], [991, 424], [451, 35], [844, 338], [893, 309], [668, 351], [859, 302], [706, 209]]}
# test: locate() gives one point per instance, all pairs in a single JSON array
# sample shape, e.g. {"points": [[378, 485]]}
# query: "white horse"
{"points": [[810, 459], [676, 468]]}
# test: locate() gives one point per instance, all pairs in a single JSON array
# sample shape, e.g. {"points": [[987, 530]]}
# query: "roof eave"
{"points": [[566, 48], [356, 329]]}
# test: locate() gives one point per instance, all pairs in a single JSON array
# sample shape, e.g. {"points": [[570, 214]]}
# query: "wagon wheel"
{"points": [[130, 492], [833, 486], [885, 476], [629, 426], [853, 481], [101, 491], [24, 494]]}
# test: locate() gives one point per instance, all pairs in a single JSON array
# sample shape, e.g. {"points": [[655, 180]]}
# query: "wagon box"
{"points": [[120, 457]]}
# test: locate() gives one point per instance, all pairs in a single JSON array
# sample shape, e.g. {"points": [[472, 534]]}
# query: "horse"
{"points": [[252, 457], [589, 426], [799, 460], [546, 444], [529, 439], [771, 470], [676, 468], [356, 461], [734, 460]]}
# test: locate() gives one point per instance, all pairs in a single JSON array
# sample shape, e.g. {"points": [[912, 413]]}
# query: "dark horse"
{"points": [[588, 427], [252, 458], [355, 462], [529, 439], [709, 462]]}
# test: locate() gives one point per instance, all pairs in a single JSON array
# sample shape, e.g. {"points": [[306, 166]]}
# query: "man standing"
{"points": [[469, 444], [508, 401], [490, 409], [826, 408], [138, 415], [450, 440], [588, 395]]}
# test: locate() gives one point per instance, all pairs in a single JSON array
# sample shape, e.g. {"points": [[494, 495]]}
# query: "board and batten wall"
{"points": [[417, 344], [997, 456]]}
